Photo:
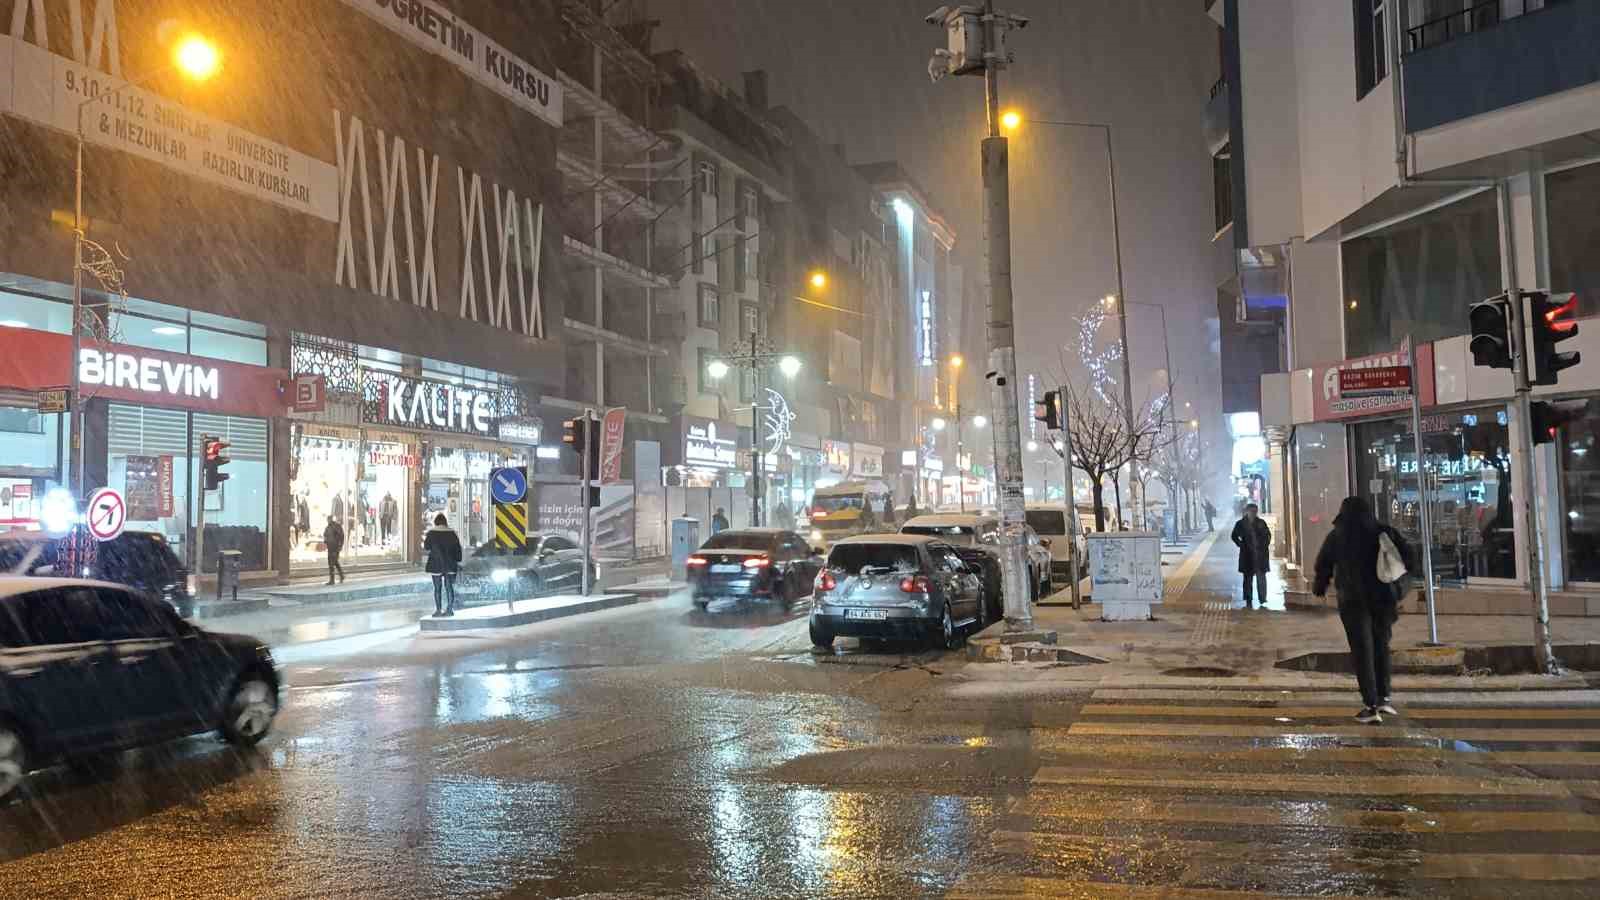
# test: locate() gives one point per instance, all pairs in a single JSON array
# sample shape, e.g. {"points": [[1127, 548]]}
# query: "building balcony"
{"points": [[585, 331], [1497, 55], [617, 200], [588, 254], [579, 103]]}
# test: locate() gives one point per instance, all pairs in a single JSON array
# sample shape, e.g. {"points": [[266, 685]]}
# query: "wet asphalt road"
{"points": [[652, 752]]}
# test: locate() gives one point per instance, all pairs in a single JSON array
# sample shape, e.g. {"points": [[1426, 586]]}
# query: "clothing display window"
{"points": [[1468, 461], [458, 487], [361, 484]]}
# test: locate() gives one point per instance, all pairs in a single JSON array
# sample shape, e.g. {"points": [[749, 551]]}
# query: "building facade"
{"points": [[1397, 162]]}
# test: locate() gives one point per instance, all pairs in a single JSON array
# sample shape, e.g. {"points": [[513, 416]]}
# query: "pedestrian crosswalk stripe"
{"points": [[1284, 730], [984, 887], [1322, 712], [1324, 785], [1167, 750], [1214, 860], [1410, 821], [1440, 699]]}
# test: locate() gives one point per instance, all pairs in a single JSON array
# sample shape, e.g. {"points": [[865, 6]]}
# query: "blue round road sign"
{"points": [[508, 485]]}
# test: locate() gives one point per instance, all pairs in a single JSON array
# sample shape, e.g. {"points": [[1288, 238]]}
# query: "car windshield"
{"points": [[737, 540], [1047, 521], [857, 559], [836, 504]]}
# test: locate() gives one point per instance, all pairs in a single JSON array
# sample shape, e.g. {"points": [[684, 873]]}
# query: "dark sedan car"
{"points": [[88, 667], [138, 559], [552, 564], [761, 565]]}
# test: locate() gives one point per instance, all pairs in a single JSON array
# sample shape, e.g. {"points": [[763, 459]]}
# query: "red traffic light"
{"points": [[1562, 318]]}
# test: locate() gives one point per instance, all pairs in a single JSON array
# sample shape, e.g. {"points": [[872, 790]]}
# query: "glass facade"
{"points": [[148, 460], [1572, 205], [1468, 460], [362, 482], [458, 487], [1416, 276], [1580, 482]]}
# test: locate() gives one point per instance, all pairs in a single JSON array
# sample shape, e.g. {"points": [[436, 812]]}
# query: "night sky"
{"points": [[856, 70]]}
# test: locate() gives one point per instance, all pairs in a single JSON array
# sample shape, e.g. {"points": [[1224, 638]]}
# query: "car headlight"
{"points": [[816, 535], [501, 576]]}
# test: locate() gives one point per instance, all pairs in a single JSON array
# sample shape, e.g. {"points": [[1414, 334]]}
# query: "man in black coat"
{"points": [[1254, 540], [333, 537]]}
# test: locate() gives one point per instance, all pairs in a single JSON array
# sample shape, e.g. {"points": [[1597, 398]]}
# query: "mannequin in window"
{"points": [[388, 514]]}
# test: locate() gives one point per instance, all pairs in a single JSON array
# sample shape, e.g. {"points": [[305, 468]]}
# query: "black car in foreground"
{"points": [[138, 559], [753, 565], [89, 667]]}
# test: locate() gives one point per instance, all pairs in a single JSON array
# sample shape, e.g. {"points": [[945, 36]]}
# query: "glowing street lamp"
{"points": [[937, 423], [1011, 120], [789, 366], [196, 57], [819, 279], [956, 361], [717, 369], [980, 421]]}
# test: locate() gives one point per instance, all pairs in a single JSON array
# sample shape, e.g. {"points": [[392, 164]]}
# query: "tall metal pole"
{"points": [[1073, 525], [961, 470], [75, 395], [1002, 340], [1525, 489], [755, 435], [583, 502], [1122, 318], [1424, 504]]}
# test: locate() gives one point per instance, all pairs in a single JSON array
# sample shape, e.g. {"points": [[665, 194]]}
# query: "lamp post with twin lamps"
{"points": [[756, 357]]}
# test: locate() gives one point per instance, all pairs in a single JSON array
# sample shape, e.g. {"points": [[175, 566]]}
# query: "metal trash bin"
{"points": [[229, 562]]}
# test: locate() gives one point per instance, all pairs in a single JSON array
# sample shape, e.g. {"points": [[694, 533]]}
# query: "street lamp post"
{"points": [[755, 359], [1014, 120], [197, 59]]}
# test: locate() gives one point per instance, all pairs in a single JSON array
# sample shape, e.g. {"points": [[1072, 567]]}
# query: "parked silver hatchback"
{"points": [[901, 586]]}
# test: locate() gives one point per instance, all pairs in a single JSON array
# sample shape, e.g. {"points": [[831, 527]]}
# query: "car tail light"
{"points": [[819, 514], [696, 561], [825, 581], [757, 562], [916, 584]]}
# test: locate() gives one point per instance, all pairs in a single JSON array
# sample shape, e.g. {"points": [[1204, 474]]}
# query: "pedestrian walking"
{"points": [[333, 539], [1211, 515], [783, 517], [1254, 540], [719, 521], [911, 508], [1363, 559], [888, 510], [444, 561]]}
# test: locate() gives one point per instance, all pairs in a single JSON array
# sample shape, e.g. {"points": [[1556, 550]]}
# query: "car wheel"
{"points": [[820, 637], [948, 638], [251, 708], [13, 760]]}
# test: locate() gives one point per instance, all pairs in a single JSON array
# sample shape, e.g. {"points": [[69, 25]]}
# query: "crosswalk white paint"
{"points": [[1193, 792]]}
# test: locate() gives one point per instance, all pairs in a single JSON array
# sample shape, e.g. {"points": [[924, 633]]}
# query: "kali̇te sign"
{"points": [[431, 405]]}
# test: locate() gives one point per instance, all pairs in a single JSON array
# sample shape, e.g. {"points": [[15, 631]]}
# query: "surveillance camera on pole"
{"points": [[967, 52]]}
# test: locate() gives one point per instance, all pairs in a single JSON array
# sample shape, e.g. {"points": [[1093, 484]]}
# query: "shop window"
{"points": [[708, 178], [1468, 460], [1572, 205], [221, 345], [1580, 482], [20, 311], [706, 355], [20, 421], [363, 484], [1419, 276]]}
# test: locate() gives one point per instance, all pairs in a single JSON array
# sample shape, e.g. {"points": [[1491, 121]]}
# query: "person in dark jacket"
{"points": [[443, 549], [1367, 606], [719, 521], [1254, 540], [1211, 515], [333, 538]]}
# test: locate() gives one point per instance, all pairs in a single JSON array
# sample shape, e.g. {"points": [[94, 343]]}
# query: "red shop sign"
{"points": [[1376, 381], [34, 360], [1330, 404]]}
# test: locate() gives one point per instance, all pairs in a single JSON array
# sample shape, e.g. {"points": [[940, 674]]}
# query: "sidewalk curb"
{"points": [[529, 616]]}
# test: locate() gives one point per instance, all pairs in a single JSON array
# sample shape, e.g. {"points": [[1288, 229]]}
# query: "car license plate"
{"points": [[874, 614], [725, 567]]}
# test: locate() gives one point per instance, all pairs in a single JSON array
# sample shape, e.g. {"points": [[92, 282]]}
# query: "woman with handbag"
{"points": [[1367, 561]]}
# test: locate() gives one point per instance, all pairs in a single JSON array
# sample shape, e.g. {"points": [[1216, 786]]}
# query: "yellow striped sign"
{"points": [[511, 525]]}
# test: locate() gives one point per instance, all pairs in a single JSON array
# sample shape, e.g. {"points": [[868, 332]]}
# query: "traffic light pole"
{"points": [[1424, 504], [583, 500], [1073, 525], [1543, 651]]}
